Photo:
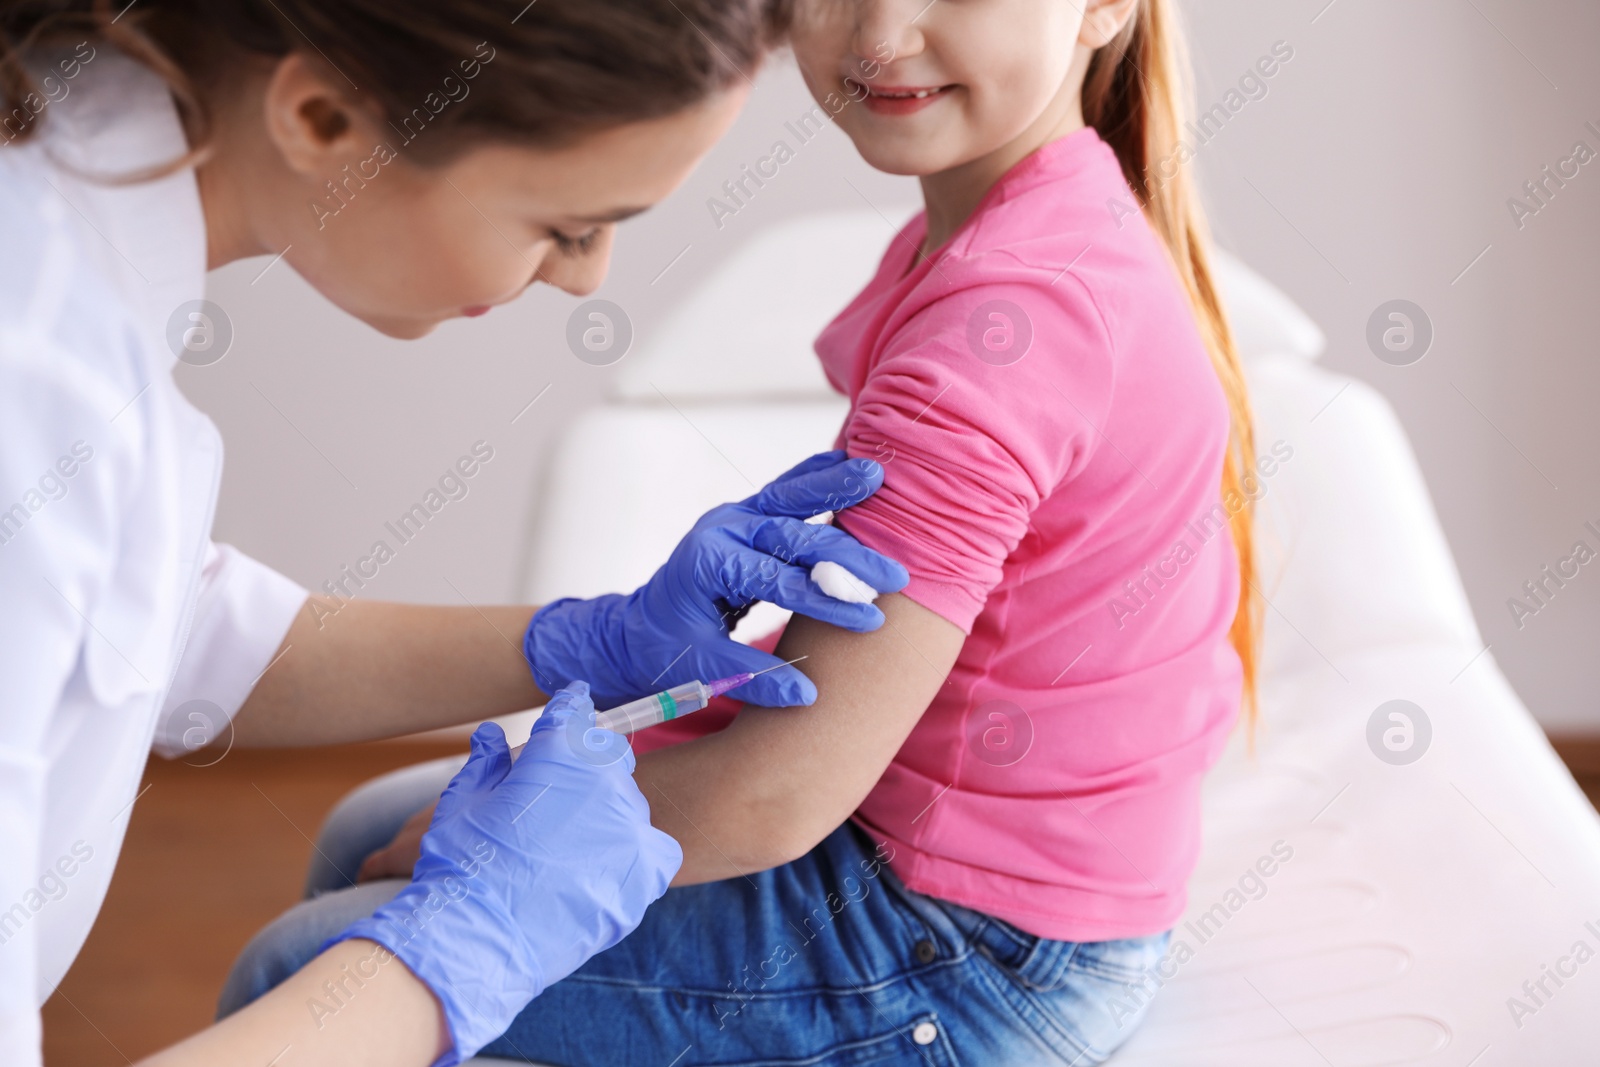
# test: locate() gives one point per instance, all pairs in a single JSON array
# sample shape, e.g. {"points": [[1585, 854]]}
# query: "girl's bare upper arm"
{"points": [[778, 780]]}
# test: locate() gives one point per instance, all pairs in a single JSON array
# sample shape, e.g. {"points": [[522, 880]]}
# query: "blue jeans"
{"points": [[828, 960]]}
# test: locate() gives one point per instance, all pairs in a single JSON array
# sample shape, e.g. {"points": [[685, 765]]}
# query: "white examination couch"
{"points": [[1418, 898]]}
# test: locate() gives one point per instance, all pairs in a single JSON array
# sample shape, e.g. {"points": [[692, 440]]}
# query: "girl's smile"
{"points": [[897, 99]]}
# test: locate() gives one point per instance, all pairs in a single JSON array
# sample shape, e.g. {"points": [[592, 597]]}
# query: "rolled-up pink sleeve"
{"points": [[973, 435]]}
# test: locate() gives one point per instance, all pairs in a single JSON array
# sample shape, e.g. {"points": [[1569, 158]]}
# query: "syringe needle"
{"points": [[775, 666]]}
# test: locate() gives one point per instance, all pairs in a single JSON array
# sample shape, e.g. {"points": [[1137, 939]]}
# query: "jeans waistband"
{"points": [[961, 926], [1042, 962]]}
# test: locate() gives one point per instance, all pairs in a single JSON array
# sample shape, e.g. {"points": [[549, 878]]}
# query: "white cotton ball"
{"points": [[840, 584]]}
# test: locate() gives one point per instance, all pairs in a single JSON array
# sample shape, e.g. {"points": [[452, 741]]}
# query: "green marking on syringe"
{"points": [[669, 707]]}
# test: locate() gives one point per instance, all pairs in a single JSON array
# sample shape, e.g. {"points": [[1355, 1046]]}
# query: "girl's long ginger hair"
{"points": [[1138, 94]]}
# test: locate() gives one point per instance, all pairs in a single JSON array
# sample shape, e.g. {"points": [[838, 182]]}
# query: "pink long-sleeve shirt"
{"points": [[1052, 433]]}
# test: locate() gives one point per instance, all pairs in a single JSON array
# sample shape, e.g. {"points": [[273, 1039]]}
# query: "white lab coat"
{"points": [[116, 609]]}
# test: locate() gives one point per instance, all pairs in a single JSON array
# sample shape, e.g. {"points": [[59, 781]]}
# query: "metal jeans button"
{"points": [[926, 953], [924, 1033]]}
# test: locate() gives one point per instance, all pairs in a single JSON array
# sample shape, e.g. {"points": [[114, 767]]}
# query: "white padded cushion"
{"points": [[1418, 898], [1351, 554], [1265, 321]]}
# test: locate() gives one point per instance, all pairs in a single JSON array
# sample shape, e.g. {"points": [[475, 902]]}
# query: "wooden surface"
{"points": [[1581, 753], [213, 854]]}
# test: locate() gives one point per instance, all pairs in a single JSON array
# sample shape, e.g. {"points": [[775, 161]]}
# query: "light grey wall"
{"points": [[1377, 166]]}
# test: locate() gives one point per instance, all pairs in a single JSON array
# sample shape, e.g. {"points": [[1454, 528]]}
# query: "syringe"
{"points": [[672, 703], [668, 704]]}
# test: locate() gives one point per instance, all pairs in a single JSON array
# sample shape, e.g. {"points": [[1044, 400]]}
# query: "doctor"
{"points": [[469, 154]]}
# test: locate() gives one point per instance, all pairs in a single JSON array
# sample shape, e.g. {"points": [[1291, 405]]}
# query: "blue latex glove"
{"points": [[527, 870], [675, 627]]}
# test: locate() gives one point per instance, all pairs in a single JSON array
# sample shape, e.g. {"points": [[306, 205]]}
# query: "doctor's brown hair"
{"points": [[561, 69], [1137, 94]]}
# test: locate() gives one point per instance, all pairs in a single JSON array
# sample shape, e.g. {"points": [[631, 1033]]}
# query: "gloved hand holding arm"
{"points": [[676, 626]]}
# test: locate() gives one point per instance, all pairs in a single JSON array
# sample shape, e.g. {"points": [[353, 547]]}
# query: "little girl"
{"points": [[981, 832]]}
